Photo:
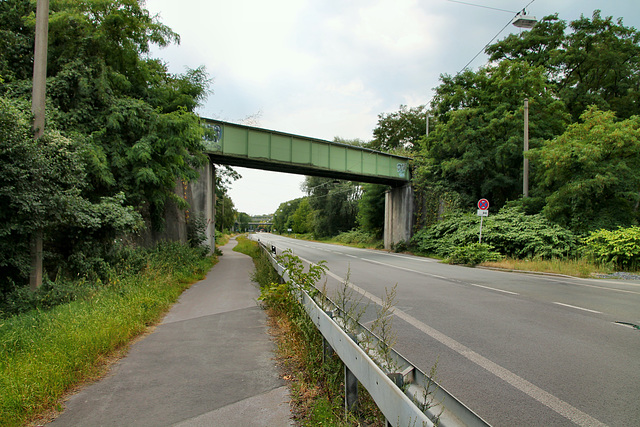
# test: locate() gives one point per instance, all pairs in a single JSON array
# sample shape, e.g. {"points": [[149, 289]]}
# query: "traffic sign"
{"points": [[483, 204], [483, 212]]}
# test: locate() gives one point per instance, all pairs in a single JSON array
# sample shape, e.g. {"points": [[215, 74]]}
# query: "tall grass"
{"points": [[44, 353], [570, 267]]}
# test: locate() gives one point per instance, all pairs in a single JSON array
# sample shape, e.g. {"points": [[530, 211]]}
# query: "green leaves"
{"points": [[476, 148], [333, 206], [510, 232], [619, 247], [401, 130], [125, 130], [596, 62], [591, 173], [473, 254]]}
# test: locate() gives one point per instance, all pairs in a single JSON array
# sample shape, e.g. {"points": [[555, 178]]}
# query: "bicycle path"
{"points": [[209, 363]]}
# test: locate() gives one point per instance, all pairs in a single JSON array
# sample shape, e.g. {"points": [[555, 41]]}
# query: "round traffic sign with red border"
{"points": [[483, 204]]}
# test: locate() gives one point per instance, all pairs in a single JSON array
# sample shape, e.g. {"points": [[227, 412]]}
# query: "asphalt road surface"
{"points": [[518, 349]]}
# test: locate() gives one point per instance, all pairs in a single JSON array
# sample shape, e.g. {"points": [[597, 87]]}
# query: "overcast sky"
{"points": [[327, 68]]}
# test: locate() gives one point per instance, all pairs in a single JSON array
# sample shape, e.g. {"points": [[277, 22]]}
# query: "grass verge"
{"points": [[45, 353], [316, 385], [576, 268]]}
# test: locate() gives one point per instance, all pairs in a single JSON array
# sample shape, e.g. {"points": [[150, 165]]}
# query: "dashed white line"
{"points": [[577, 308], [494, 289], [544, 397]]}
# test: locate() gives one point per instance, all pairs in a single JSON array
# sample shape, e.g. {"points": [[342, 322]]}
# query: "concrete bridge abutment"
{"points": [[398, 215]]}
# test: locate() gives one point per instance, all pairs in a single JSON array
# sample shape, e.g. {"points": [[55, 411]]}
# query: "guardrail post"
{"points": [[327, 350], [398, 379], [350, 386]]}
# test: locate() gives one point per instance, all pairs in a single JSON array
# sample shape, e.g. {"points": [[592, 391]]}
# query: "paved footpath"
{"points": [[209, 363]]}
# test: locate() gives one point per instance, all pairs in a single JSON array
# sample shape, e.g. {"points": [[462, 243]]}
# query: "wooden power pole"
{"points": [[38, 109]]}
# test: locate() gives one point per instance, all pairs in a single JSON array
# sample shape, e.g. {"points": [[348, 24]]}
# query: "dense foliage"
{"points": [[42, 190], [591, 173], [121, 132], [476, 148], [511, 232], [371, 208], [400, 130], [620, 247], [591, 61], [583, 132]]}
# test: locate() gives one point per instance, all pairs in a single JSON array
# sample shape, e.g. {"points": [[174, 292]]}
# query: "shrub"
{"points": [[518, 235], [196, 230], [357, 237], [49, 295], [474, 254], [620, 247], [511, 232]]}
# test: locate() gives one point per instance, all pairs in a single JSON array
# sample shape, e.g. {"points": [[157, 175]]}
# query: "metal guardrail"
{"points": [[401, 405]]}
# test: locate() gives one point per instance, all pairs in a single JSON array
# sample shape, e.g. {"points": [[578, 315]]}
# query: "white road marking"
{"points": [[577, 308], [547, 399], [432, 275], [494, 289]]}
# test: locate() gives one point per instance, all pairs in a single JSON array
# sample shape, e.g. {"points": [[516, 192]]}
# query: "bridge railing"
{"points": [[404, 394]]}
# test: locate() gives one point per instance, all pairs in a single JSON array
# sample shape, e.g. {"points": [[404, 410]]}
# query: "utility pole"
{"points": [[38, 109], [525, 174]]}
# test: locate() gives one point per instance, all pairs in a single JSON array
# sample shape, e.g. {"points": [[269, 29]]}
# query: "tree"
{"points": [[597, 62], [225, 213], [476, 149], [243, 221], [136, 120], [400, 130], [41, 185], [371, 209], [591, 173], [119, 120], [282, 218], [302, 218], [335, 204]]}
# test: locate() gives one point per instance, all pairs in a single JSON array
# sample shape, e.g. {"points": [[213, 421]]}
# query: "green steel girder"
{"points": [[246, 146]]}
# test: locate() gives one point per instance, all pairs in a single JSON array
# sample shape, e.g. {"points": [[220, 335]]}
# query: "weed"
{"points": [[382, 326], [430, 388], [352, 309]]}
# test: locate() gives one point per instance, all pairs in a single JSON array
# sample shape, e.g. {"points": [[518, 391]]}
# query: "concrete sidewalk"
{"points": [[209, 363]]}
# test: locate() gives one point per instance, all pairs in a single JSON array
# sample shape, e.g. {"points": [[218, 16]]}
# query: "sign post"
{"points": [[483, 210]]}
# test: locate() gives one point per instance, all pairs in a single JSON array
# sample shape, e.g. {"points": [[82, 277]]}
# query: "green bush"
{"points": [[49, 295], [511, 232], [357, 237], [518, 235], [473, 254], [620, 247], [196, 230]]}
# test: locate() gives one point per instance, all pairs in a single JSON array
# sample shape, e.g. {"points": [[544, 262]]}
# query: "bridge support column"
{"points": [[202, 202], [398, 215]]}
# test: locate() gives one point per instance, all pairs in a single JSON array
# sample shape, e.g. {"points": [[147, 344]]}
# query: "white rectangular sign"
{"points": [[483, 212]]}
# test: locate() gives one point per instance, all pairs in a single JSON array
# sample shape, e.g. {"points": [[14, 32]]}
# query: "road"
{"points": [[518, 349]]}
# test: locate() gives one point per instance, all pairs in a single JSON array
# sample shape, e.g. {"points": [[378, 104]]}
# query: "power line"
{"points": [[494, 37], [482, 6], [485, 46]]}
